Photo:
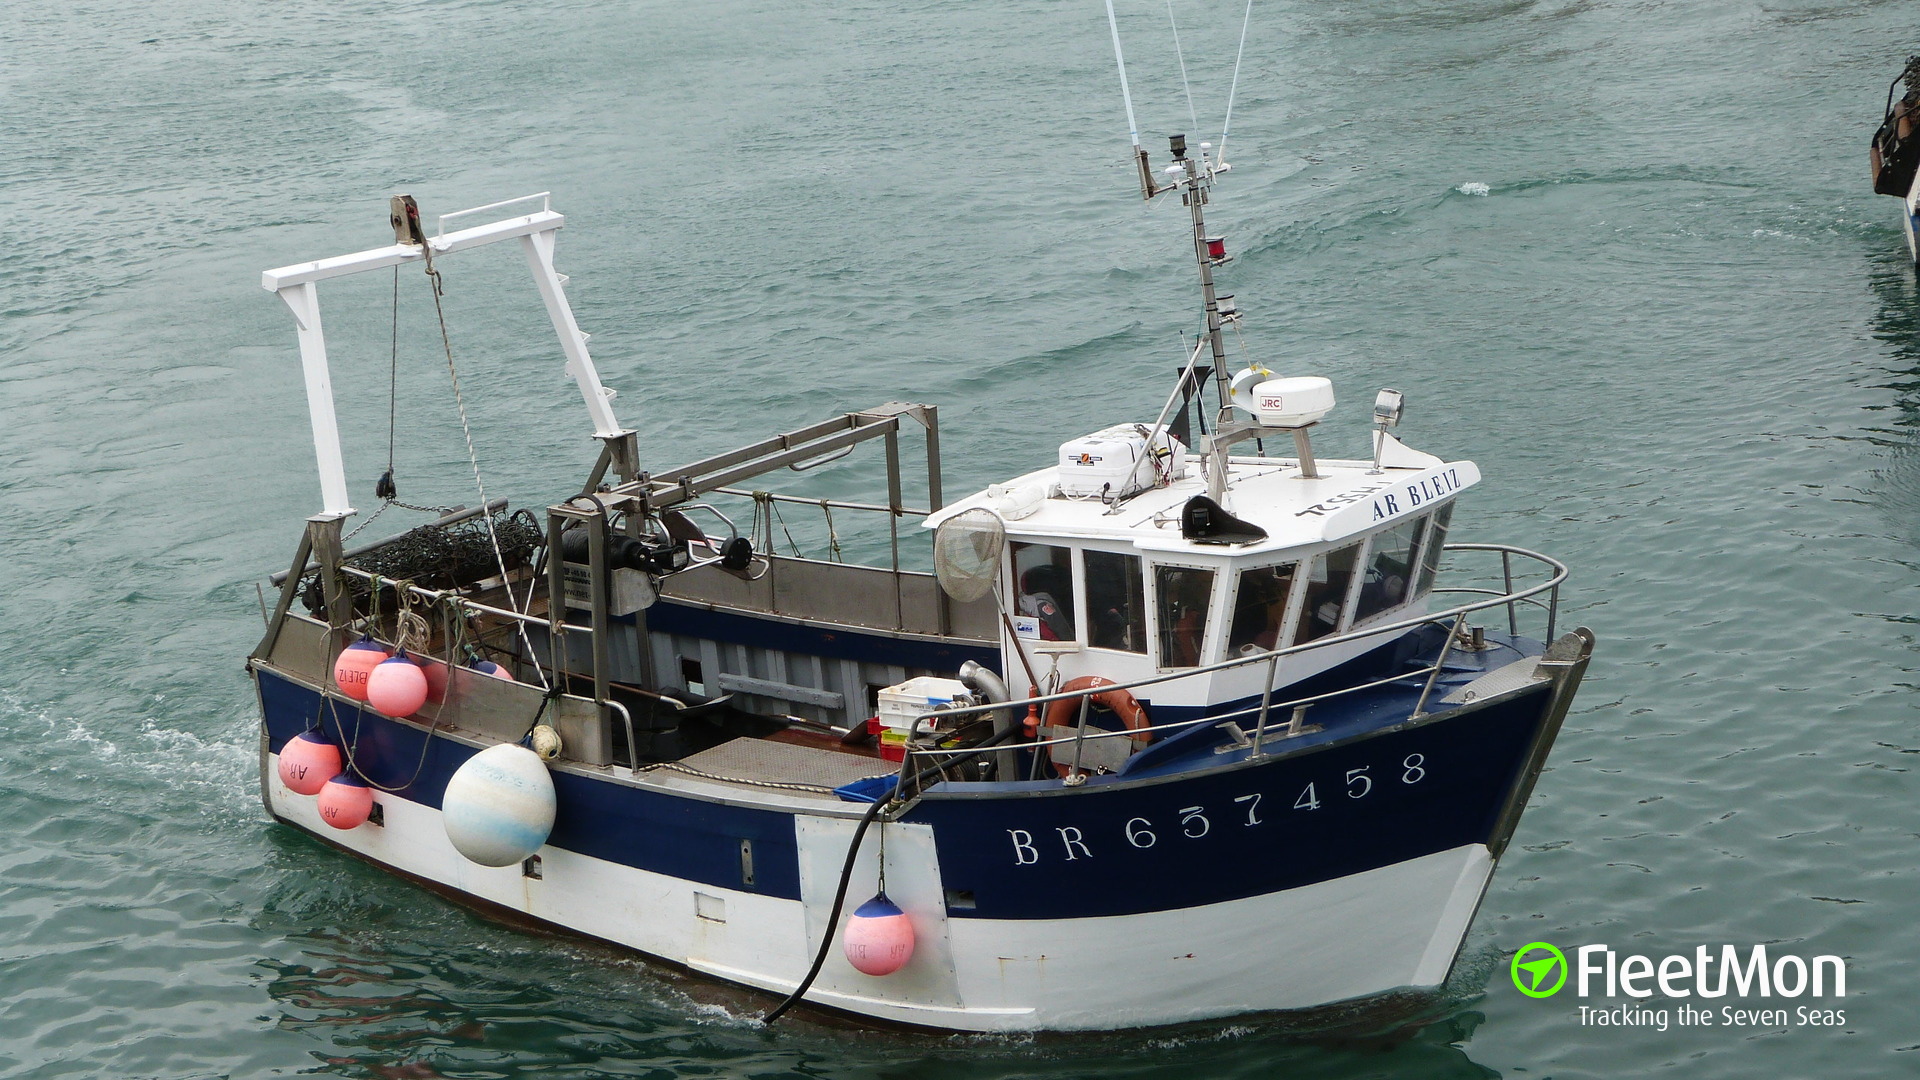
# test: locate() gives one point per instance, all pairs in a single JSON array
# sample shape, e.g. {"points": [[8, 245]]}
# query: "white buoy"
{"points": [[499, 806], [546, 742]]}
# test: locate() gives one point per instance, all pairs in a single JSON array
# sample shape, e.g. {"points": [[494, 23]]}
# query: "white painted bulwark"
{"points": [[913, 882], [1331, 941]]}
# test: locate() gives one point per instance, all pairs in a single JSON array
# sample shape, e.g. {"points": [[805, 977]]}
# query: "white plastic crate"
{"points": [[901, 703]]}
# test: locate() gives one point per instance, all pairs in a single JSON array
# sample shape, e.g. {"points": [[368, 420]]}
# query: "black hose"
{"points": [[846, 878], [833, 917]]}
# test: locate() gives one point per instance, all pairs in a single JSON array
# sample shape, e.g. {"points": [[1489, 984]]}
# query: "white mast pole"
{"points": [[297, 286], [304, 300], [539, 249], [1147, 187]]}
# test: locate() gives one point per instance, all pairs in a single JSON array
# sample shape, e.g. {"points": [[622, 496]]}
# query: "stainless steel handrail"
{"points": [[1551, 585], [466, 602], [1508, 598], [633, 750]]}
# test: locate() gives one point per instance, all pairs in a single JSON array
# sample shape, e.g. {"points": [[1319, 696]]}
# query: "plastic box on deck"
{"points": [[901, 703], [1116, 462]]}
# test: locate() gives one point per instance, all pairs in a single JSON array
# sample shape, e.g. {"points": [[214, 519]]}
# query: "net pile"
{"points": [[436, 557]]}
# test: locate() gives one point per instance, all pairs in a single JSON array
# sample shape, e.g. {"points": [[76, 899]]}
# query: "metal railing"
{"points": [[1542, 596], [453, 596], [919, 759], [1551, 605], [546, 207]]}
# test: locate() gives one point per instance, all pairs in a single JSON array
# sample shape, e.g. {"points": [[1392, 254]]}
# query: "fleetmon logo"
{"points": [[1530, 974]]}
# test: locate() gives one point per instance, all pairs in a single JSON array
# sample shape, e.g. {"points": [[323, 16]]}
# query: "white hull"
{"points": [[1364, 934]]}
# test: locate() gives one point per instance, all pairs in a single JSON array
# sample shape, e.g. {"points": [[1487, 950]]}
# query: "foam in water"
{"points": [[1474, 187]]}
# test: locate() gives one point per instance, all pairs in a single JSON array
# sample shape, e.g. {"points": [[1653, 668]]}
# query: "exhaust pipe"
{"points": [[981, 680]]}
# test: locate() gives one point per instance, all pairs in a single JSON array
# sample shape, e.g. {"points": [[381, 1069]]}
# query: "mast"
{"points": [[1194, 177], [1208, 252]]}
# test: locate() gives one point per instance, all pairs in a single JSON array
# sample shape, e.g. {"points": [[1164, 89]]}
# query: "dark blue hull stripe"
{"points": [[1111, 848], [681, 837], [1269, 825]]}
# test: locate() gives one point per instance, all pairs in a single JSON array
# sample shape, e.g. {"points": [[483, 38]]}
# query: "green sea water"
{"points": [[1621, 254]]}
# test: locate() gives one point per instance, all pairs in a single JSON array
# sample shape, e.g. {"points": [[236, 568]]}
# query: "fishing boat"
{"points": [[1894, 154], [1186, 723]]}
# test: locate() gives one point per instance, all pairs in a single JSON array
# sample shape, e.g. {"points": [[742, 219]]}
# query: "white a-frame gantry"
{"points": [[298, 285]]}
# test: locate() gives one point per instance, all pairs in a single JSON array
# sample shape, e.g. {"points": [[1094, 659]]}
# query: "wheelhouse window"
{"points": [[1043, 574], [1259, 608], [1436, 539], [1327, 579], [1184, 593], [1392, 561], [1116, 601]]}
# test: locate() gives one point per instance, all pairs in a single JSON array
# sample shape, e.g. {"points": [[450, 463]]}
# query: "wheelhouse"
{"points": [[1116, 588]]}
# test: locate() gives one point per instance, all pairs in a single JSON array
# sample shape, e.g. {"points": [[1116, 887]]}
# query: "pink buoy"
{"points": [[879, 937], [345, 802], [355, 663], [436, 673], [397, 687], [307, 762], [488, 667]]}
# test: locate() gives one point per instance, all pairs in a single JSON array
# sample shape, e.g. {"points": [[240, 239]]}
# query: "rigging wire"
{"points": [[1237, 56], [1182, 56], [446, 343], [1126, 95], [774, 514], [385, 488]]}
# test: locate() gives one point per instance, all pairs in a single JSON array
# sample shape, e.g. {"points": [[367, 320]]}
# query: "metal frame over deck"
{"points": [[298, 286]]}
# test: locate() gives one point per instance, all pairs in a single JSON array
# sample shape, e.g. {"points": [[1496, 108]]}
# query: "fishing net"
{"points": [[436, 557], [966, 553]]}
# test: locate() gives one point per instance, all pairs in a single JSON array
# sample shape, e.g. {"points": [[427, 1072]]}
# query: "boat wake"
{"points": [[149, 762]]}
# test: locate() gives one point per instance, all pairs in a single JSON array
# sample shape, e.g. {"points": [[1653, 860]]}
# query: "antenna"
{"points": [[1148, 189]]}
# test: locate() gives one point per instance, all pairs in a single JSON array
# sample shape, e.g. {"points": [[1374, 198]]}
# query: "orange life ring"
{"points": [[1066, 711]]}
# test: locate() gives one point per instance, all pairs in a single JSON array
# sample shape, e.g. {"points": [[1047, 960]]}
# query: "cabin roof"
{"points": [[1348, 498]]}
